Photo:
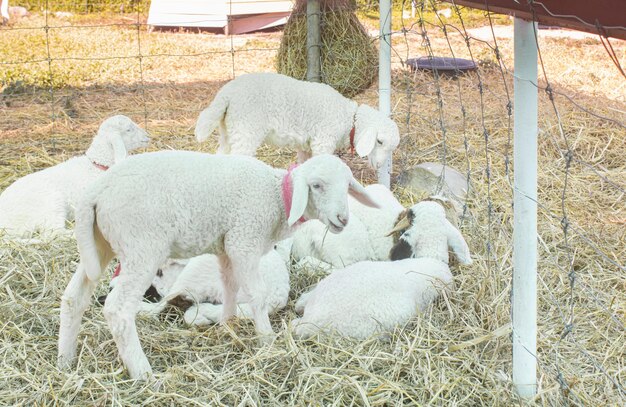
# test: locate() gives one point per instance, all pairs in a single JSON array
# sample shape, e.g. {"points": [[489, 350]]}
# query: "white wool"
{"points": [[43, 201], [185, 204], [4, 11], [376, 296], [312, 118], [364, 238], [199, 281]]}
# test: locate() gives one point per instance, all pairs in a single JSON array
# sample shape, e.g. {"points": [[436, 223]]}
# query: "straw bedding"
{"points": [[459, 353]]}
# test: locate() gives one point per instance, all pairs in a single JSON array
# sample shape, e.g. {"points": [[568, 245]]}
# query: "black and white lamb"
{"points": [[376, 296]]}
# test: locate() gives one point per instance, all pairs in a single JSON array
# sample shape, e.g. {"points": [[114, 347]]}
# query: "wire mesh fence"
{"points": [[71, 64]]}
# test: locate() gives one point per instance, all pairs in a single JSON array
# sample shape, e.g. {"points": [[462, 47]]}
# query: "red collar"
{"points": [[352, 141], [117, 270], [287, 192], [100, 166]]}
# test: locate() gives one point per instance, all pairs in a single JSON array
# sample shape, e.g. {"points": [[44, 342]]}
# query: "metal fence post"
{"points": [[525, 211], [313, 42], [384, 79]]}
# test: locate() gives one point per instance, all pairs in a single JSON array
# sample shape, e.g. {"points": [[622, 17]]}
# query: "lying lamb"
{"points": [[199, 291], [44, 200], [371, 297], [312, 118], [195, 286], [364, 238], [185, 204]]}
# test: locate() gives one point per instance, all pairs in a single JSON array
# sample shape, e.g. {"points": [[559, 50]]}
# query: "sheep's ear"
{"points": [[400, 250], [457, 244], [360, 194], [119, 149], [299, 199], [366, 142]]}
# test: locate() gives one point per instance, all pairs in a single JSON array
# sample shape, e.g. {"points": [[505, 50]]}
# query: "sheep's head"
{"points": [[167, 274], [426, 232], [320, 191], [377, 136], [117, 136]]}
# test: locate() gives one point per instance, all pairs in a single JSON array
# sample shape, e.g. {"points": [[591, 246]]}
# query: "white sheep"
{"points": [[4, 11], [372, 297], [364, 238], [183, 204], [200, 290], [312, 118], [45, 200], [195, 285]]}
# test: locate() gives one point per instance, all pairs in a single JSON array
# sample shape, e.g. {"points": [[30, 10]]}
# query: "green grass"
{"points": [[426, 10]]}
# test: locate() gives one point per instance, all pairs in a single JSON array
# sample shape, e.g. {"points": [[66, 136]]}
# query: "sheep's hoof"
{"points": [[267, 339], [142, 374], [64, 362]]}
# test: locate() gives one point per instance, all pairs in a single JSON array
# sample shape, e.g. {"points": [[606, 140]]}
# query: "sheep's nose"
{"points": [[343, 220]]}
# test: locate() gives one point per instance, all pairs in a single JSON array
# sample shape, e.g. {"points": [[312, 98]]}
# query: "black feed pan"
{"points": [[442, 64]]}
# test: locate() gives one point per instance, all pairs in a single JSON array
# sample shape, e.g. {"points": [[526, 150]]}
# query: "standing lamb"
{"points": [[370, 297], [45, 200], [181, 204], [312, 118]]}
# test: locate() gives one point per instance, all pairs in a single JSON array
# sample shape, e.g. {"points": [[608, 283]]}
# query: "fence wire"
{"points": [[571, 307], [461, 120]]}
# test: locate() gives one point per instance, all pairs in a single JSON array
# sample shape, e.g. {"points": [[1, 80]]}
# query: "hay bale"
{"points": [[349, 57]]}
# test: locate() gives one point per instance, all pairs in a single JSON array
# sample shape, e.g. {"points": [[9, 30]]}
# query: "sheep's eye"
{"points": [[380, 143], [316, 185]]}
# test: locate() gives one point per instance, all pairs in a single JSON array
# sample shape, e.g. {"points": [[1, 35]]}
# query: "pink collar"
{"points": [[100, 166], [117, 270], [287, 189]]}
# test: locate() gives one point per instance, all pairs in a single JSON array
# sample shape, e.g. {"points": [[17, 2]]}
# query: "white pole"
{"points": [[384, 78], [525, 211]]}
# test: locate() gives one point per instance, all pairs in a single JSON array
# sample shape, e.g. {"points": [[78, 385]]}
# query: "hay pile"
{"points": [[349, 56], [459, 353]]}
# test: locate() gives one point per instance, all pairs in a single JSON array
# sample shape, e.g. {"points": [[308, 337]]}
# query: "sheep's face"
{"points": [[426, 232], [167, 274], [132, 135], [321, 188], [378, 136]]}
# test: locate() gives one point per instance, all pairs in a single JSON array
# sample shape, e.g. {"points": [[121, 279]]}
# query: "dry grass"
{"points": [[415, 365], [350, 61]]}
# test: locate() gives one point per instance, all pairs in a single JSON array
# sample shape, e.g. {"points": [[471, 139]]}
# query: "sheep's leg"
{"points": [[244, 141], [247, 271], [74, 303], [231, 287], [303, 330], [120, 309], [302, 301], [223, 147], [204, 314]]}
